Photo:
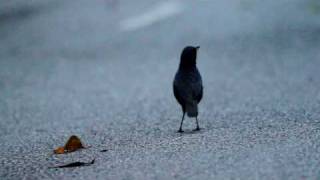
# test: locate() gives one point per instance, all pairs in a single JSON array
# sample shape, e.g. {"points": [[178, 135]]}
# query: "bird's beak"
{"points": [[197, 47]]}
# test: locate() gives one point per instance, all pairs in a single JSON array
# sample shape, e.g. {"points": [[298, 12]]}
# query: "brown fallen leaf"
{"points": [[59, 150], [75, 164], [72, 144]]}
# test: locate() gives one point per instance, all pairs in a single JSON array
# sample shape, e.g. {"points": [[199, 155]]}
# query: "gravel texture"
{"points": [[66, 69]]}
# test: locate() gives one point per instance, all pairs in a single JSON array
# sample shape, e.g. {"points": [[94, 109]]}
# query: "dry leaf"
{"points": [[59, 150], [72, 144]]}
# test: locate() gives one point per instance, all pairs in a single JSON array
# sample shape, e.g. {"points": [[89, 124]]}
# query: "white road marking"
{"points": [[159, 12]]}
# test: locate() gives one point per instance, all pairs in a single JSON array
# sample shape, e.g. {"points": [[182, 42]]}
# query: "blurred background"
{"points": [[103, 69]]}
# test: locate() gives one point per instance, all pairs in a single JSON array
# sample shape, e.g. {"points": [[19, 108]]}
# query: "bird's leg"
{"points": [[198, 128], [180, 129]]}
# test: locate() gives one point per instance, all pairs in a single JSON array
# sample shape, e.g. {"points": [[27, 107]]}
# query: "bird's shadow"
{"points": [[189, 131]]}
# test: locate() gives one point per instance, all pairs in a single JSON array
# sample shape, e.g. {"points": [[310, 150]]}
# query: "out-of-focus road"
{"points": [[103, 70]]}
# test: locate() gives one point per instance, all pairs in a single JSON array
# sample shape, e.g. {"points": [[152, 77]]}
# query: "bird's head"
{"points": [[189, 56]]}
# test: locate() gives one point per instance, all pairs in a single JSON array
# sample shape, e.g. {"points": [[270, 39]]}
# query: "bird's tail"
{"points": [[192, 109]]}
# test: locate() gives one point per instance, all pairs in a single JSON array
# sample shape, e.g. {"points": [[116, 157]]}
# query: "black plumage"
{"points": [[187, 84]]}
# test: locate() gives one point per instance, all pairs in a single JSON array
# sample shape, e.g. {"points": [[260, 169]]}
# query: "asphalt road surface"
{"points": [[103, 70]]}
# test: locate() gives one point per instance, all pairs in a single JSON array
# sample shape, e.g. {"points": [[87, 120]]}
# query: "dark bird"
{"points": [[187, 84]]}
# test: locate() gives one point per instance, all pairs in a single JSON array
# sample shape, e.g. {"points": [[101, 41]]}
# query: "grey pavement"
{"points": [[103, 70]]}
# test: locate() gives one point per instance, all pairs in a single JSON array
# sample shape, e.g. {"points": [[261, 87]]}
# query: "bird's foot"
{"points": [[197, 129], [180, 131]]}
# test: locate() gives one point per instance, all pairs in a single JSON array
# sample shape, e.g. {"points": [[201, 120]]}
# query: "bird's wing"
{"points": [[199, 95], [178, 95], [184, 92], [188, 89]]}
